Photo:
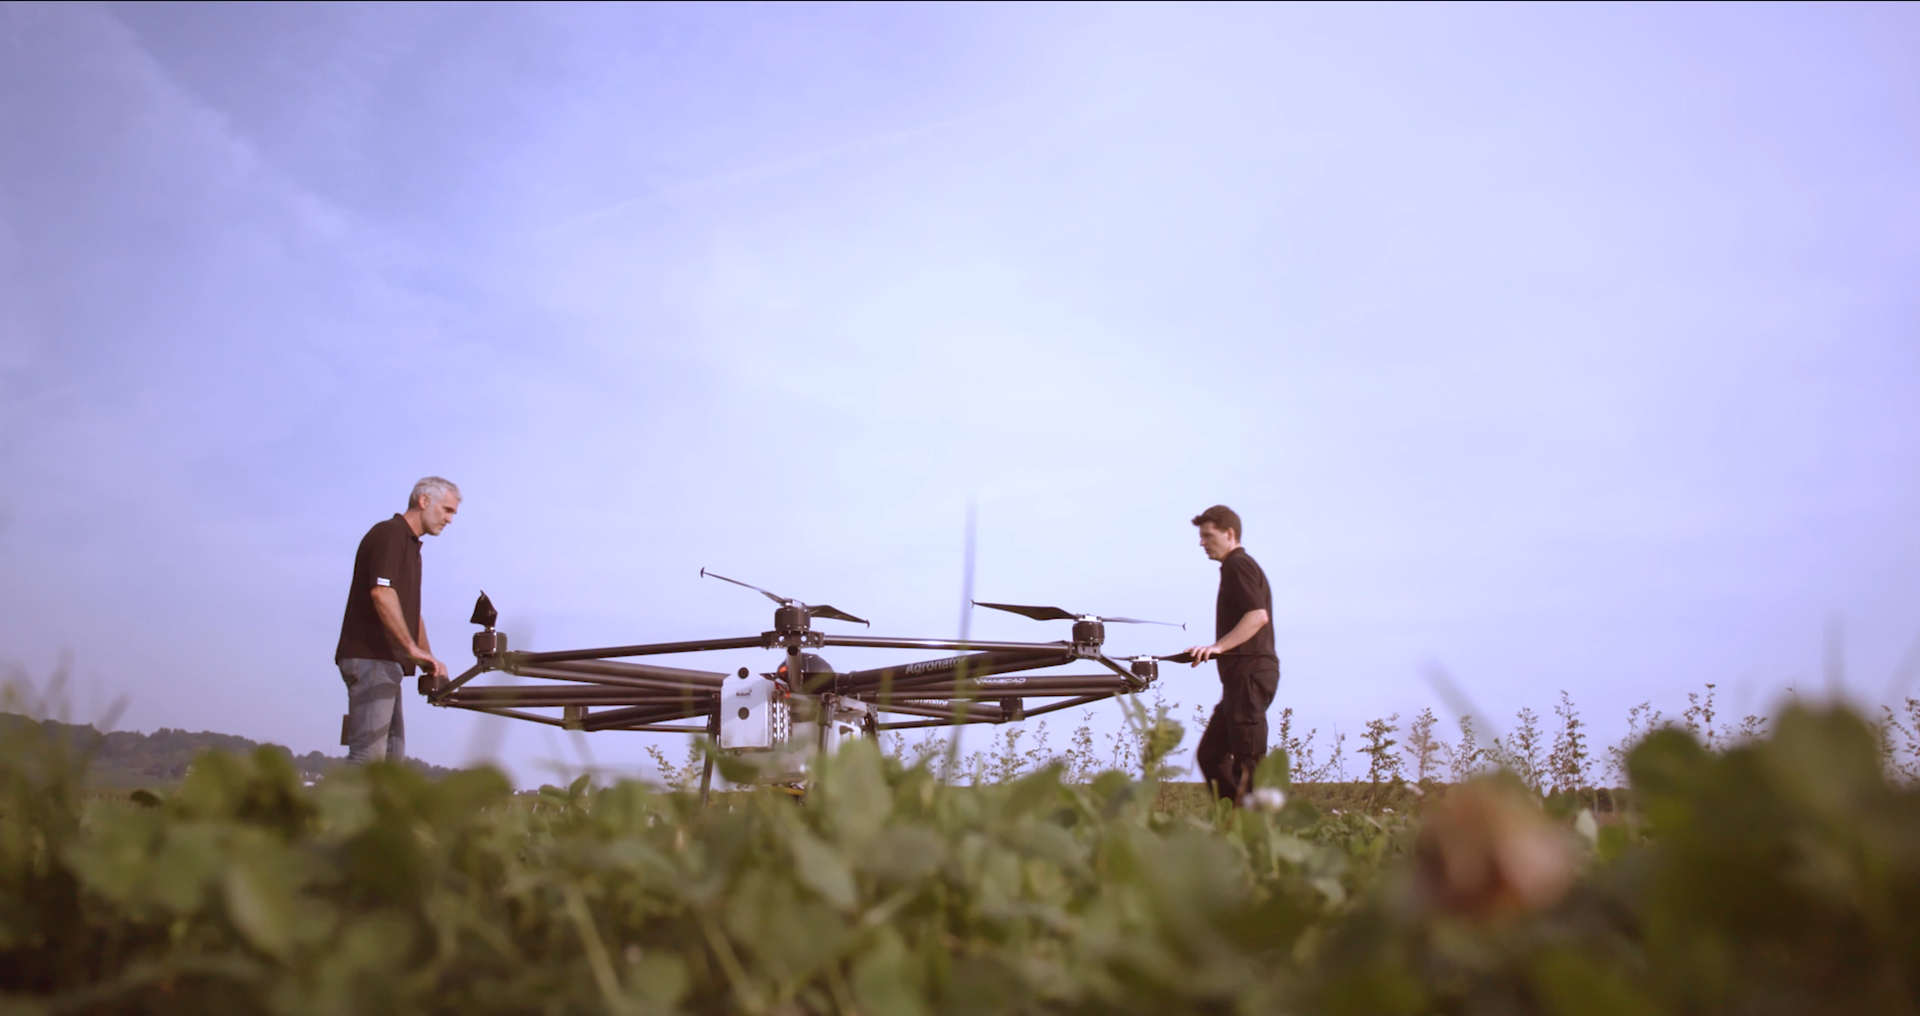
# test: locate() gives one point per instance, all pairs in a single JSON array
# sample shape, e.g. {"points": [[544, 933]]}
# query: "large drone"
{"points": [[803, 707]]}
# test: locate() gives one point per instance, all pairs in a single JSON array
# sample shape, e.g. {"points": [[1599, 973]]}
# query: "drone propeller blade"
{"points": [[1137, 620], [1186, 657], [1037, 613], [775, 597], [836, 614], [1056, 614]]}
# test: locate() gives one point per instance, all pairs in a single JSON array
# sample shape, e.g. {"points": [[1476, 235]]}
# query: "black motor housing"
{"points": [[1089, 633]]}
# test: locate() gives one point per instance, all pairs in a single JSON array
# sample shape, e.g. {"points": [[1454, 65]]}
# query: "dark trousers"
{"points": [[375, 727], [1235, 740]]}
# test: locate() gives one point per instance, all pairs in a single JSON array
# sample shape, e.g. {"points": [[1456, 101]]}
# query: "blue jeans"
{"points": [[375, 729]]}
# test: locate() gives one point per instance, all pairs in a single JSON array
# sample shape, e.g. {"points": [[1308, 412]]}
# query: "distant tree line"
{"points": [[128, 758]]}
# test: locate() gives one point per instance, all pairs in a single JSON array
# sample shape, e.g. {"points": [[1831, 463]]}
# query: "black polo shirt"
{"points": [[1243, 588], [389, 555]]}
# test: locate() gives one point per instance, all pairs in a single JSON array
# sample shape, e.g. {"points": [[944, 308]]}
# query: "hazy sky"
{"points": [[1562, 347]]}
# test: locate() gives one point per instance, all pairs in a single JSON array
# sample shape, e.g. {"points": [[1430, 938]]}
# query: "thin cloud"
{"points": [[767, 171], [1093, 99]]}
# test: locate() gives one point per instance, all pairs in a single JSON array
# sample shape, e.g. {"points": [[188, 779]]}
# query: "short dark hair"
{"points": [[1222, 517]]}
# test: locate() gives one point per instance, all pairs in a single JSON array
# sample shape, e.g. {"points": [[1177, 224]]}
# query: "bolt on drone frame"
{"points": [[602, 689]]}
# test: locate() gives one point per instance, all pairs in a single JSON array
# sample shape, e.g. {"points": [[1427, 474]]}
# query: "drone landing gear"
{"points": [[706, 768]]}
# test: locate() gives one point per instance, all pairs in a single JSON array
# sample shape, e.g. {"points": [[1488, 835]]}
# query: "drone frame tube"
{"points": [[597, 669], [949, 720], [600, 662], [610, 681], [999, 686], [933, 673], [1072, 703], [1134, 680], [515, 714], [967, 646], [706, 770], [988, 712], [649, 649], [534, 698], [649, 713], [479, 667]]}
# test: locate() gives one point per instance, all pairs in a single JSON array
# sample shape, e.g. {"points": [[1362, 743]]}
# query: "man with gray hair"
{"points": [[382, 637]]}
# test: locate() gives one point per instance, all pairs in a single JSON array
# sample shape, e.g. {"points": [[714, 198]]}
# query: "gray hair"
{"points": [[434, 488]]}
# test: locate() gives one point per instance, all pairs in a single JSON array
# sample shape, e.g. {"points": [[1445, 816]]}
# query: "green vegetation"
{"points": [[1780, 873]]}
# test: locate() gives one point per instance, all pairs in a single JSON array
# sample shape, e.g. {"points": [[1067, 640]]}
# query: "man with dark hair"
{"points": [[1236, 736], [382, 637]]}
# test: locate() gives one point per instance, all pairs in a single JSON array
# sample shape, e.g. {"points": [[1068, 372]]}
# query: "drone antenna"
{"points": [[784, 601], [966, 573]]}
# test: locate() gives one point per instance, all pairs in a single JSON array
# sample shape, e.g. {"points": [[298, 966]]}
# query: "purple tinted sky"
{"points": [[1564, 347]]}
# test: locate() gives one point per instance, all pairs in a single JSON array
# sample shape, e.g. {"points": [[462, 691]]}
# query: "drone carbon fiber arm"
{"points": [[973, 665]]}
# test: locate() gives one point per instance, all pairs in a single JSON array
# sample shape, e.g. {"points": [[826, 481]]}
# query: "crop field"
{"points": [[1774, 873]]}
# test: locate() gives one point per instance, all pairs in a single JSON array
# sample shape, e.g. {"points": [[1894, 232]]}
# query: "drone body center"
{"points": [[762, 718]]}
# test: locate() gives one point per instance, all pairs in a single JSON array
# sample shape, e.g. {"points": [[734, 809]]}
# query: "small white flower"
{"points": [[1264, 799]]}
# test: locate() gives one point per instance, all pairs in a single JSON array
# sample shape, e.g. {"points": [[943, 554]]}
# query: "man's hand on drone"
{"points": [[1202, 654], [428, 662]]}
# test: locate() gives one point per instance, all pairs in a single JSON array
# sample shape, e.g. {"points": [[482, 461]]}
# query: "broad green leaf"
{"points": [[791, 935], [1030, 791], [884, 978], [660, 979], [903, 853], [346, 808], [260, 901], [853, 793], [739, 769], [1290, 849], [187, 865], [821, 869], [1575, 985], [1274, 771]]}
